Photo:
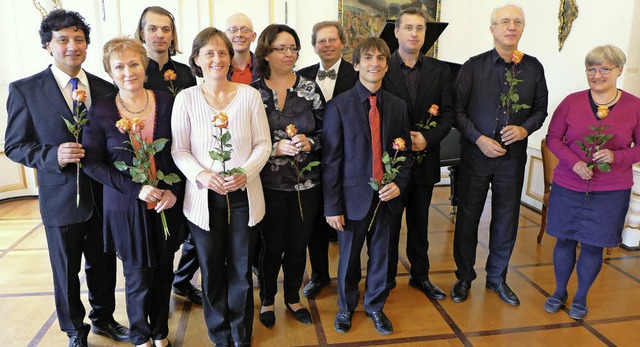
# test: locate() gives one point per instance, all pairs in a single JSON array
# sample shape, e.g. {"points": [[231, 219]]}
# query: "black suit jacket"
{"points": [[35, 129], [345, 80], [346, 152], [435, 88]]}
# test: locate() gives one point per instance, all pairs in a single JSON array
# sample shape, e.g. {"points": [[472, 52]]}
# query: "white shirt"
{"points": [[65, 86], [327, 85]]}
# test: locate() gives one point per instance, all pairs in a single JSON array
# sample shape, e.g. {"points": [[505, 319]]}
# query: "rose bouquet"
{"points": [[142, 170], [75, 128], [391, 170]]}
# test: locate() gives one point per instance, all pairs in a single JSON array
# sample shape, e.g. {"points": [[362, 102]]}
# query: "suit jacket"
{"points": [[435, 88], [35, 129], [346, 152], [345, 80]]}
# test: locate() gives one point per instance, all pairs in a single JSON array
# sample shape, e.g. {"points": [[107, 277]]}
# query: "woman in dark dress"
{"points": [[132, 222], [292, 202]]}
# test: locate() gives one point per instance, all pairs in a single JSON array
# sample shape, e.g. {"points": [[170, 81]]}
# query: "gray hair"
{"points": [[610, 53], [493, 19]]}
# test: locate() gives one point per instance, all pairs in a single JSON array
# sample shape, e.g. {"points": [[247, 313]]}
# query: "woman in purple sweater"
{"points": [[592, 183]]}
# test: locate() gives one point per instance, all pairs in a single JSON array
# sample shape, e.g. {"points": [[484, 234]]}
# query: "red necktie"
{"points": [[376, 143]]}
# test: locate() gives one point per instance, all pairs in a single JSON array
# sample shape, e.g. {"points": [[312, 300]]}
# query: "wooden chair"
{"points": [[549, 163]]}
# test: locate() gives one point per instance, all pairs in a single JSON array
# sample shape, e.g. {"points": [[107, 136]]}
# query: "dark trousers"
{"points": [[351, 241], [66, 246], [417, 199], [319, 248], [284, 241], [224, 254], [188, 263], [505, 175]]}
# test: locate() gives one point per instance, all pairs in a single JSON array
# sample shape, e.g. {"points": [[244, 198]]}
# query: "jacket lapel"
{"points": [[58, 103], [361, 117], [426, 80]]}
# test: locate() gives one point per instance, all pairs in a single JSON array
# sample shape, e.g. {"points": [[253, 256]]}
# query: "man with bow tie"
{"points": [[334, 75]]}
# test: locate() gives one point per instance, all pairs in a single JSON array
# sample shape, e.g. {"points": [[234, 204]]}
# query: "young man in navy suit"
{"points": [[358, 126], [421, 82], [37, 137], [335, 76]]}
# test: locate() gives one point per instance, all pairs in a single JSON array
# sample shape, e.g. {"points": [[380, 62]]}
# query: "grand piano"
{"points": [[450, 146]]}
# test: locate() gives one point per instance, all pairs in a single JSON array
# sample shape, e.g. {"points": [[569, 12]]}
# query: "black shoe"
{"points": [[302, 314], [189, 291], [313, 288], [241, 344], [391, 284], [553, 305], [268, 319], [342, 323], [429, 289], [460, 291], [505, 293], [381, 322], [79, 341], [112, 330]]}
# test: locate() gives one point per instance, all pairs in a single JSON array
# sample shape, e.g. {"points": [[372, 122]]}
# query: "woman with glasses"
{"points": [[291, 181], [591, 132]]}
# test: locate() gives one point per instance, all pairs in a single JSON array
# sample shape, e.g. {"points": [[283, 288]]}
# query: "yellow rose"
{"points": [[399, 144], [434, 110], [79, 95], [603, 112], [221, 120], [123, 125], [137, 124], [517, 57], [170, 75], [291, 130]]}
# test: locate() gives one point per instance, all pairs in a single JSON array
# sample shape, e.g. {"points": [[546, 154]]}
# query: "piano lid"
{"points": [[434, 30]]}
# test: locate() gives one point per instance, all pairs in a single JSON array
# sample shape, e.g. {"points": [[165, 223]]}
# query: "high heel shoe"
{"points": [[302, 314]]}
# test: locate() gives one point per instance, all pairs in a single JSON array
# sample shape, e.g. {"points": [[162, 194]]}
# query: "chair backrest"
{"points": [[549, 163]]}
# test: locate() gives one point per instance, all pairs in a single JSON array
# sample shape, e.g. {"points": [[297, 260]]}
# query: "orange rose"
{"points": [[517, 57], [123, 125], [137, 124], [170, 75], [603, 112], [398, 144], [434, 110], [221, 120], [79, 95], [291, 130]]}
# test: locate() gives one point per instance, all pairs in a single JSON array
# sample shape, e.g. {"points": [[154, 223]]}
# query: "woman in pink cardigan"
{"points": [[592, 133]]}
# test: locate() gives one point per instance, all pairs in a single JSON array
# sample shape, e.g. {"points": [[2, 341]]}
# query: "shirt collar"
{"points": [[364, 93], [63, 79], [335, 66], [154, 65]]}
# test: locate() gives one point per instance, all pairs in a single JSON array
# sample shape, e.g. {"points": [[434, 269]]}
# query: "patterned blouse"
{"points": [[304, 108]]}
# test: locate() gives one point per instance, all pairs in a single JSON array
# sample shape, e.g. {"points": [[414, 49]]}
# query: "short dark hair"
{"points": [[201, 40], [326, 24], [61, 19], [410, 11], [263, 48], [370, 44], [173, 48]]}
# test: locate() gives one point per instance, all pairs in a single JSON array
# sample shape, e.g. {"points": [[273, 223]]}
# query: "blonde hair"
{"points": [[610, 53], [119, 45]]}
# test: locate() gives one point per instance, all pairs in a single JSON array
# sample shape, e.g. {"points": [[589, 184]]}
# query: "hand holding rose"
{"points": [[70, 153]]}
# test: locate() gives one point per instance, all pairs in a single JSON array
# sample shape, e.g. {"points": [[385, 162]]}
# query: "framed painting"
{"points": [[366, 18]]}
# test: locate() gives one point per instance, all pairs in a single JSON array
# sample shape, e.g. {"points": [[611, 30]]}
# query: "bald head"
{"points": [[240, 31]]}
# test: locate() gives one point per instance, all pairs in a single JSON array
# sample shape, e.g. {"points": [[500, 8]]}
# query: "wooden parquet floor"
{"points": [[28, 318]]}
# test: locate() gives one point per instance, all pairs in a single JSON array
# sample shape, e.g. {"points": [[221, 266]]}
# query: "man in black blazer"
{"points": [[421, 81], [350, 129], [336, 77], [37, 137]]}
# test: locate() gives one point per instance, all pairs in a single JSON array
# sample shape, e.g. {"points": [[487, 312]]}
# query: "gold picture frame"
{"points": [[365, 18]]}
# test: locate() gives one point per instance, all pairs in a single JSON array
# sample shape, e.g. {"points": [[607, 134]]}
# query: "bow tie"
{"points": [[331, 74]]}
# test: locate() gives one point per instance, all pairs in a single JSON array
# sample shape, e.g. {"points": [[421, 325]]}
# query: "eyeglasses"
{"points": [[244, 30], [604, 71], [284, 49], [505, 22], [330, 41]]}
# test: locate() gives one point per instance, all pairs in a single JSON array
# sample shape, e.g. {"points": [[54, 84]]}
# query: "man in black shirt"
{"points": [[494, 150]]}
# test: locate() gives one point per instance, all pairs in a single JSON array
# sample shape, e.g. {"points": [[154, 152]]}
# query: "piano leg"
{"points": [[453, 177]]}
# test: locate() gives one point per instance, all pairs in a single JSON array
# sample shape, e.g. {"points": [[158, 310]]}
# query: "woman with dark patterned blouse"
{"points": [[292, 194]]}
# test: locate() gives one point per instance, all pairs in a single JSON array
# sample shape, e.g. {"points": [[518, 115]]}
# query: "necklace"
{"points": [[132, 112], [214, 98], [606, 103]]}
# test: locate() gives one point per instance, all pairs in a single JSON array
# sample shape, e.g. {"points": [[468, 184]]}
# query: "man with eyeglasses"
{"points": [[494, 150], [240, 32], [421, 82], [334, 76]]}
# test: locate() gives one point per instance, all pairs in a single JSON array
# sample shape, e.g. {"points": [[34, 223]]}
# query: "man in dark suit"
{"points": [[421, 81], [358, 125], [334, 75], [37, 137]]}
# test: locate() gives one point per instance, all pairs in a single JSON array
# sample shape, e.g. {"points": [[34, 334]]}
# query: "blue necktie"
{"points": [[74, 86]]}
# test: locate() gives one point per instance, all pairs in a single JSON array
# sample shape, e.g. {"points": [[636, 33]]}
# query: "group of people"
{"points": [[259, 162]]}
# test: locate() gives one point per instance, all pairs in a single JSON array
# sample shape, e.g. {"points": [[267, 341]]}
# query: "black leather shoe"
{"points": [[113, 330], [429, 289], [302, 314], [189, 291], [313, 288], [391, 284], [79, 341], [242, 344], [268, 319], [342, 323], [460, 291], [381, 322], [505, 293]]}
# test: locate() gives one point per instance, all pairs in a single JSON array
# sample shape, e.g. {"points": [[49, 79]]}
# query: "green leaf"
{"points": [[159, 144], [310, 166], [590, 166], [515, 98], [139, 178], [120, 165], [432, 124], [236, 170], [226, 137], [604, 167], [227, 155], [171, 179], [385, 158], [160, 175], [375, 185], [590, 139], [216, 156]]}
